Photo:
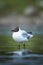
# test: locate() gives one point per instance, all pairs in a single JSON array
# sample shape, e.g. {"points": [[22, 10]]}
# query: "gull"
{"points": [[21, 36]]}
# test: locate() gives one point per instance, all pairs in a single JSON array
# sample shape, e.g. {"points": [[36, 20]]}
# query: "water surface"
{"points": [[30, 59]]}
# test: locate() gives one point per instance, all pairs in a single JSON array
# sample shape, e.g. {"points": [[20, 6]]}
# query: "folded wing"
{"points": [[27, 35]]}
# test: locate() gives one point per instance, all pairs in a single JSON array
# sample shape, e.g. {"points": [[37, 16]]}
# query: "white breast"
{"points": [[17, 36]]}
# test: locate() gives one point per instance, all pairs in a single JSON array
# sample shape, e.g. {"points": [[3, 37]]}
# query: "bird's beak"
{"points": [[12, 30]]}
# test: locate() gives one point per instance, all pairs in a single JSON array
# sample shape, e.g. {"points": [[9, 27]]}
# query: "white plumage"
{"points": [[21, 35]]}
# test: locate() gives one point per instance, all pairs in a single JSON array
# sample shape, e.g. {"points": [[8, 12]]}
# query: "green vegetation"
{"points": [[7, 6], [12, 5], [8, 44]]}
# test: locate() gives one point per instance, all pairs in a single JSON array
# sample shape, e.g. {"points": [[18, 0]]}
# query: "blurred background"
{"points": [[28, 15]]}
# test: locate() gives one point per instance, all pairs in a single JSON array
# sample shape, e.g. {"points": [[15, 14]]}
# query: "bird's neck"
{"points": [[19, 29]]}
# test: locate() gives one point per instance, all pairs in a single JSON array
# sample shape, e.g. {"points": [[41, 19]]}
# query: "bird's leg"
{"points": [[24, 45], [19, 46]]}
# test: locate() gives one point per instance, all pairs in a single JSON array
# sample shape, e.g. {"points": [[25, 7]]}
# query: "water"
{"points": [[7, 30], [30, 59]]}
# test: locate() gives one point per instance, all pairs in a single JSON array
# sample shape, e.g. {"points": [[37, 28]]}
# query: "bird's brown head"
{"points": [[16, 29]]}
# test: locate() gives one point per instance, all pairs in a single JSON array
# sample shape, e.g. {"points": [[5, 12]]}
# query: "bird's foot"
{"points": [[19, 46], [24, 46]]}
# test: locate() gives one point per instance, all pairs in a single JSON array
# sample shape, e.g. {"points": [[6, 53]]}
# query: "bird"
{"points": [[21, 36]]}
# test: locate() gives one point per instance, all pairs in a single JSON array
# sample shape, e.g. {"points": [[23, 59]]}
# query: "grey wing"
{"points": [[26, 35]]}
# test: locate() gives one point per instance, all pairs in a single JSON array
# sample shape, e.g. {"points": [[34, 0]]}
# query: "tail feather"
{"points": [[29, 32]]}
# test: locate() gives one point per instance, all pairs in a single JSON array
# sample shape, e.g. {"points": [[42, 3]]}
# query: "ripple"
{"points": [[28, 59]]}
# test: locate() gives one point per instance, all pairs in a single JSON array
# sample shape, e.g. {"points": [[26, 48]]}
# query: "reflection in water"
{"points": [[31, 59]]}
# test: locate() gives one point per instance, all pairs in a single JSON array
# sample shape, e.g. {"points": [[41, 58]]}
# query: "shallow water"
{"points": [[30, 59]]}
